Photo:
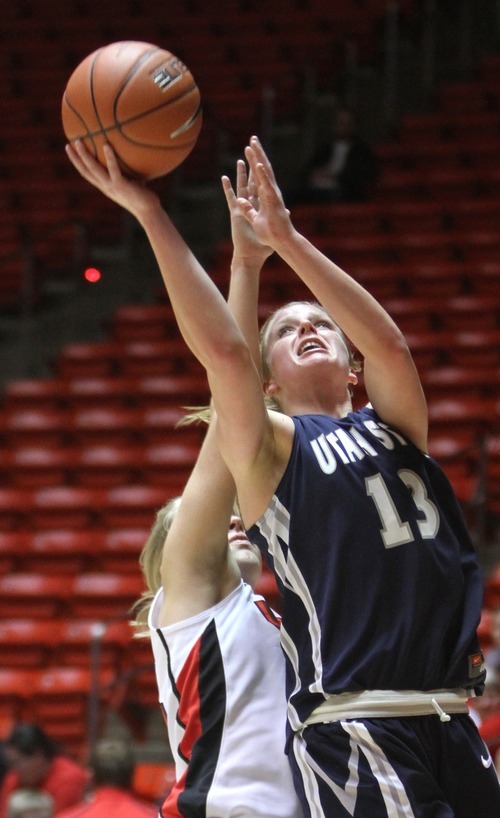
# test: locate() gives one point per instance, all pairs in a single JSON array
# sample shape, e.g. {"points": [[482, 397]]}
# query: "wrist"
{"points": [[247, 263]]}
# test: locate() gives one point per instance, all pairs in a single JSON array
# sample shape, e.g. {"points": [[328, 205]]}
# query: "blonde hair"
{"points": [[150, 563]]}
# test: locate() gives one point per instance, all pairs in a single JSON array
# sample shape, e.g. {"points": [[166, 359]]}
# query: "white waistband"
{"points": [[372, 704]]}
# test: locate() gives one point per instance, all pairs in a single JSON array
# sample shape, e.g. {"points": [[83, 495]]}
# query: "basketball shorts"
{"points": [[411, 767]]}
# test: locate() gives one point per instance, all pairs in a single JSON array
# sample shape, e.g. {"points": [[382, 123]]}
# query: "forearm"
{"points": [[243, 301], [200, 309], [360, 316]]}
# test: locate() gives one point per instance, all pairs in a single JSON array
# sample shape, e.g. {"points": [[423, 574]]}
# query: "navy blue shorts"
{"points": [[411, 767]]}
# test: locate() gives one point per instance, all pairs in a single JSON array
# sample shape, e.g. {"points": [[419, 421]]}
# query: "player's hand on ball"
{"points": [[132, 195]]}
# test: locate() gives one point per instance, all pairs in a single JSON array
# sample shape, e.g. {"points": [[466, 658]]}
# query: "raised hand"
{"points": [[247, 246], [265, 210]]}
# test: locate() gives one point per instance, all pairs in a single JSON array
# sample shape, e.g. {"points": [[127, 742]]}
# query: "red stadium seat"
{"points": [[85, 642], [16, 692], [96, 426], [88, 360], [39, 595], [159, 426], [103, 392], [454, 381], [174, 390], [107, 465], [35, 427], [34, 393], [15, 506], [484, 629], [60, 702], [64, 507], [61, 551], [121, 549], [142, 322], [38, 466], [156, 357], [14, 545], [168, 466], [28, 643], [133, 506], [104, 597], [492, 589], [471, 415]]}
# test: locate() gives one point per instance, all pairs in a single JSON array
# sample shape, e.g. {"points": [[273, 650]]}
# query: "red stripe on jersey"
{"points": [[189, 707], [169, 808], [268, 614]]}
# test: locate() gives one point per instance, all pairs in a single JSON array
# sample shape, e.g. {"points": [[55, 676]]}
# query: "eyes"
{"points": [[321, 323]]}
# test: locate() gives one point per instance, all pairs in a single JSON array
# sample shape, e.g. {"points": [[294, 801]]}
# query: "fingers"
{"points": [[88, 166], [111, 162], [229, 193], [256, 155], [241, 179]]}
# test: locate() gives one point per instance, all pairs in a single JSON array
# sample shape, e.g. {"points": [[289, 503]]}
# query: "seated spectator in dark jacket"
{"points": [[344, 167], [112, 765], [34, 761]]}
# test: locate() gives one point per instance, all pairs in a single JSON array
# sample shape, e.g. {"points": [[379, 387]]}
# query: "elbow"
{"points": [[230, 354], [396, 345]]}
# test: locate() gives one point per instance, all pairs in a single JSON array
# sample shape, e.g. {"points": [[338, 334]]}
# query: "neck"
{"points": [[315, 405]]}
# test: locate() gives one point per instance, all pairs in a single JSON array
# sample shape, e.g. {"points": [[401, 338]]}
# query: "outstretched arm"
{"points": [[248, 258], [391, 378], [198, 569]]}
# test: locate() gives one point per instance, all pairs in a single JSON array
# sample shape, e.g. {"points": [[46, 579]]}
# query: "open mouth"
{"points": [[310, 346]]}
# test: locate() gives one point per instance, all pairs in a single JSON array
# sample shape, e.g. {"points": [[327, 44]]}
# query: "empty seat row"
{"points": [[105, 391], [96, 427], [80, 508], [135, 358], [465, 215], [70, 550], [97, 466]]}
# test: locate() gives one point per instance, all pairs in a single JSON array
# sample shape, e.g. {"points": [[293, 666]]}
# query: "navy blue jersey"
{"points": [[380, 583]]}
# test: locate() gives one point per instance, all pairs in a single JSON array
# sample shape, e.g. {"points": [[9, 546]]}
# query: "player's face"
{"points": [[304, 335], [247, 554]]}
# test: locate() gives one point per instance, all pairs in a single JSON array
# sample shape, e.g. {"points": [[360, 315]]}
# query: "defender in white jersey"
{"points": [[382, 753], [221, 681]]}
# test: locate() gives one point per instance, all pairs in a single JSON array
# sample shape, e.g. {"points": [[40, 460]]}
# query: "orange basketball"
{"points": [[139, 98]]}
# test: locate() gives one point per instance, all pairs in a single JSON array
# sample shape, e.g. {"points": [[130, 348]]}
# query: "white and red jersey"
{"points": [[221, 682]]}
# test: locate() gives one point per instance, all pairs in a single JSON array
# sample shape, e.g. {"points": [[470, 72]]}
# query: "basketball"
{"points": [[140, 99]]}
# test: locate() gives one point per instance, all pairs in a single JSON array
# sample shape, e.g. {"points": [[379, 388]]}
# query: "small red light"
{"points": [[92, 274]]}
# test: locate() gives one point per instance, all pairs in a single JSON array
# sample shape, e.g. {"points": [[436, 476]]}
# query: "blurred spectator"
{"points": [[35, 761], [493, 652], [112, 766], [29, 803], [344, 167], [485, 710]]}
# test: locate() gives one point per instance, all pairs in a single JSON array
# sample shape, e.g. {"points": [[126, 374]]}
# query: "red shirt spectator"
{"points": [[112, 765], [108, 801], [34, 761]]}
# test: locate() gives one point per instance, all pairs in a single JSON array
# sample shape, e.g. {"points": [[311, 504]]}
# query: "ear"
{"points": [[352, 377], [270, 388]]}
